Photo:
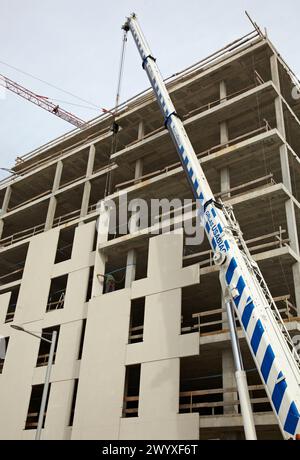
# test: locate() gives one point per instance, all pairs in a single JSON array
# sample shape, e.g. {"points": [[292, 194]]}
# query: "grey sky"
{"points": [[76, 45]]}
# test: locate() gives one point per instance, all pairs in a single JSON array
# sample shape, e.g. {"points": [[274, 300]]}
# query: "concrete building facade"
{"points": [[151, 359]]}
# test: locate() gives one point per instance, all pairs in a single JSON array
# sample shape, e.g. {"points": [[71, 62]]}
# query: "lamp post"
{"points": [[47, 378]]}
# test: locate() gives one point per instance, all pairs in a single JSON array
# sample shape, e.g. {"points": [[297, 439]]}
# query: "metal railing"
{"points": [[212, 321], [271, 240], [198, 401]]}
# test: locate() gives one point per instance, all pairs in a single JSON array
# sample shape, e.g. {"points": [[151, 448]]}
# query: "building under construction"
{"points": [[148, 356]]}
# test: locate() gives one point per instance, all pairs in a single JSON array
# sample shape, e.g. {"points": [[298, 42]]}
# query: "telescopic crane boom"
{"points": [[243, 285]]}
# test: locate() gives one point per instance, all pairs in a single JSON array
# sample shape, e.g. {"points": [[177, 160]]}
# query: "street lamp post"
{"points": [[47, 378]]}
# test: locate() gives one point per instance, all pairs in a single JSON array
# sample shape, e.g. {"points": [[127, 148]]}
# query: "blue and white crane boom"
{"points": [[242, 282]]}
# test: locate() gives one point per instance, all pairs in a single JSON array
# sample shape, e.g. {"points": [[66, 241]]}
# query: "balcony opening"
{"points": [[74, 168], [73, 402], [12, 265], [65, 244], [57, 293], [113, 279], [201, 385], [82, 339], [201, 308], [3, 350], [44, 350], [34, 407], [12, 303], [141, 262], [132, 391], [137, 313], [68, 205], [90, 284]]}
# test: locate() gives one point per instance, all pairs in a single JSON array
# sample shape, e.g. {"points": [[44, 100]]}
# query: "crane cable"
{"points": [[115, 126], [49, 84]]}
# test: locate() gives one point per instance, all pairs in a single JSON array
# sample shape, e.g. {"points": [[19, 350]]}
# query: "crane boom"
{"points": [[242, 282], [41, 101]]}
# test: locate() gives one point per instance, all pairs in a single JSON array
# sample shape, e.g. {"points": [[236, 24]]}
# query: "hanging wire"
{"points": [[49, 84], [115, 126]]}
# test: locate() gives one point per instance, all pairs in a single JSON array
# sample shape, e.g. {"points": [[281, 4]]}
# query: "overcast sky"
{"points": [[75, 45]]}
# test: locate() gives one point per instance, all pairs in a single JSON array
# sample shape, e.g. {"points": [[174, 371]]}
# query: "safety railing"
{"points": [[208, 402], [136, 334], [213, 321], [44, 359], [32, 420], [130, 406], [10, 314], [56, 304], [262, 129], [271, 240], [211, 402], [11, 276], [23, 234]]}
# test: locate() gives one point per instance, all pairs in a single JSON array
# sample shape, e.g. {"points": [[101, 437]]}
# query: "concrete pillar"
{"points": [[228, 371], [57, 177], [224, 137], [141, 130], [53, 200], [85, 199], [131, 255], [286, 179], [87, 186], [130, 267], [91, 161], [4, 207], [138, 168], [102, 227]]}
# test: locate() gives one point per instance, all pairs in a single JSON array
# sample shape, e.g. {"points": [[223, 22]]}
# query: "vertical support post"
{"points": [[87, 186], [46, 387], [103, 223], [141, 130], [4, 207], [241, 379], [53, 199], [286, 179], [224, 137], [132, 255], [228, 378]]}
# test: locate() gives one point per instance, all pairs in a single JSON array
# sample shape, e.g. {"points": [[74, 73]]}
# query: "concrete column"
{"points": [[4, 207], [102, 227], [87, 186], [224, 137], [85, 199], [141, 130], [91, 161], [286, 179], [138, 169], [57, 177], [131, 255], [53, 200], [228, 371]]}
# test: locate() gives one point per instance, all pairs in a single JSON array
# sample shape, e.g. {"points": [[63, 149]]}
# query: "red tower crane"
{"points": [[41, 101]]}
